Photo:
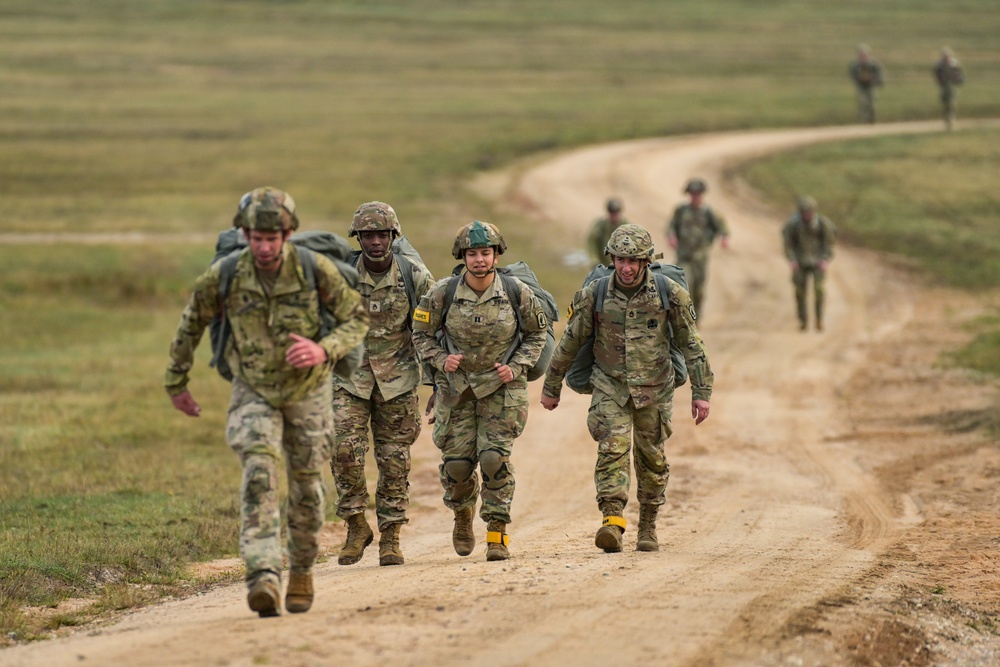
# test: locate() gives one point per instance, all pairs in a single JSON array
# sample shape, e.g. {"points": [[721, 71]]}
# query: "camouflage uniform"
{"points": [[866, 73], [808, 244], [477, 415], [948, 74], [695, 230], [382, 391], [275, 407]]}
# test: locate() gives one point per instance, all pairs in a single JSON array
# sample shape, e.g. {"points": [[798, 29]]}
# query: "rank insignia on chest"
{"points": [[374, 307], [478, 319], [650, 324]]}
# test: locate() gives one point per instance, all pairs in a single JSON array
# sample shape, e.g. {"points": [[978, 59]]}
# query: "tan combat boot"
{"points": [[609, 536], [389, 552], [264, 596], [647, 529], [359, 536], [497, 541], [299, 596], [462, 536]]}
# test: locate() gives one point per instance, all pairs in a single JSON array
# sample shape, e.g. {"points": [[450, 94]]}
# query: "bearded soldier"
{"points": [[691, 232], [633, 381], [382, 392], [281, 400], [467, 329]]}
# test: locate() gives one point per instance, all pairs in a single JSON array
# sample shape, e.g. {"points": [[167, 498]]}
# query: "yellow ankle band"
{"points": [[614, 521], [497, 538]]}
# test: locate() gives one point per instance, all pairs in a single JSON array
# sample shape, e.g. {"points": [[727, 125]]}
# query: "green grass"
{"points": [[156, 115]]}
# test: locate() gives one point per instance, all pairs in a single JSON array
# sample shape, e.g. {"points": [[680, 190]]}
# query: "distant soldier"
{"points": [[866, 73], [949, 76], [481, 388], [692, 230], [281, 400], [381, 393], [633, 379], [601, 230], [808, 240]]}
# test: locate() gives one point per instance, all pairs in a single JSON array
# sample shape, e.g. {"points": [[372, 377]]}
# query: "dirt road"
{"points": [[804, 517]]}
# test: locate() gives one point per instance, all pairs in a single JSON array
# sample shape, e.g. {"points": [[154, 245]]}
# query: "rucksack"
{"points": [[507, 274], [579, 374], [335, 247]]}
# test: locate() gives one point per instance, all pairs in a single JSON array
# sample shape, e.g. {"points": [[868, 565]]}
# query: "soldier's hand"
{"points": [[305, 353], [549, 402], [185, 403], [822, 265], [672, 240], [505, 372], [429, 410], [794, 265], [452, 363], [699, 411], [724, 242]]}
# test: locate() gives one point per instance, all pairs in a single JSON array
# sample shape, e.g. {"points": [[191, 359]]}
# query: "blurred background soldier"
{"points": [[381, 393], [633, 381], [692, 230], [481, 388], [866, 73], [601, 230], [949, 76], [808, 240], [281, 400]]}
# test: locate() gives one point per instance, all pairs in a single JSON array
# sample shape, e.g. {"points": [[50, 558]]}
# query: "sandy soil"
{"points": [[838, 508]]}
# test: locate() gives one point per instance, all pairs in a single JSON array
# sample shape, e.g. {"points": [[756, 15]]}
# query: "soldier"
{"points": [[949, 76], [482, 392], [382, 391], [281, 399], [866, 73], [808, 240], [691, 232], [601, 230], [633, 380]]}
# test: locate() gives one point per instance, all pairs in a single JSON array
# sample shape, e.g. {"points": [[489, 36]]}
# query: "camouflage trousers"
{"points": [[800, 278], [615, 428], [866, 104], [395, 425], [481, 433], [260, 433], [949, 106], [696, 273]]}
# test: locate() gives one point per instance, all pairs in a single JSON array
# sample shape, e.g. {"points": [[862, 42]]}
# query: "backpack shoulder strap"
{"points": [[600, 291], [227, 271], [308, 261], [514, 294], [663, 289], [406, 271], [449, 296]]}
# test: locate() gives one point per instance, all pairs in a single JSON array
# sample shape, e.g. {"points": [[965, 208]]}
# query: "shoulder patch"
{"points": [[421, 315], [569, 312]]}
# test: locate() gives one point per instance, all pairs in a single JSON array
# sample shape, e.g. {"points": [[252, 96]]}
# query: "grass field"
{"points": [[155, 115]]}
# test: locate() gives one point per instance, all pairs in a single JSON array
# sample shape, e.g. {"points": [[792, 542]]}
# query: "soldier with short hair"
{"points": [[949, 76], [808, 240], [633, 380], [382, 391], [481, 389], [601, 230], [692, 230], [281, 400], [867, 75]]}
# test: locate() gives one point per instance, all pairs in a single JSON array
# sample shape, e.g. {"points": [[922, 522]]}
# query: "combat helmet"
{"points": [[630, 241], [375, 216], [695, 185], [614, 205], [267, 210], [478, 234], [806, 203]]}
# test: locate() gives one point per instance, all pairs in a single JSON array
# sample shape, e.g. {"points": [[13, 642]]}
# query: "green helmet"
{"points": [[695, 185], [614, 205], [266, 209], [375, 216], [806, 203], [478, 234], [630, 241]]}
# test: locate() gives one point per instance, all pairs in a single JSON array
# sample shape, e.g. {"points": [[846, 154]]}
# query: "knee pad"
{"points": [[458, 470], [495, 469]]}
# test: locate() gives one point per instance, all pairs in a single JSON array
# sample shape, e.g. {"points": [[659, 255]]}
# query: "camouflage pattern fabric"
{"points": [[614, 427], [695, 230], [262, 326], [259, 433], [597, 240], [632, 346], [395, 425], [800, 278], [948, 74], [867, 76], [808, 244]]}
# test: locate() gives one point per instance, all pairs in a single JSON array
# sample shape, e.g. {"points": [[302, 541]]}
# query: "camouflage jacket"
{"points": [[262, 326], [600, 232], [390, 356], [866, 75], [948, 74], [808, 244], [695, 230], [482, 328], [632, 346]]}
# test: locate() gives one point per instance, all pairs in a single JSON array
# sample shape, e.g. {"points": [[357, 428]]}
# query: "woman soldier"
{"points": [[467, 329]]}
